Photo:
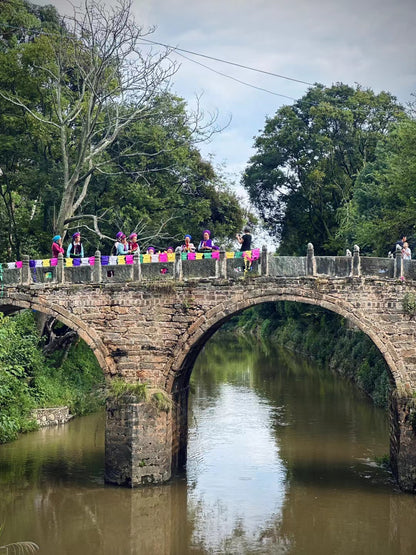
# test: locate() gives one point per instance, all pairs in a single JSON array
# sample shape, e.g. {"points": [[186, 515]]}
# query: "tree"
{"points": [[308, 159], [94, 80], [25, 146], [383, 204]]}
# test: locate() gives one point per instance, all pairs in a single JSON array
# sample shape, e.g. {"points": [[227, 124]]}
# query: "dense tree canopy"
{"points": [[383, 205], [89, 129], [308, 159]]}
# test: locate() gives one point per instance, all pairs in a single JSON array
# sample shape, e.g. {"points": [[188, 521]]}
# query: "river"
{"points": [[283, 457]]}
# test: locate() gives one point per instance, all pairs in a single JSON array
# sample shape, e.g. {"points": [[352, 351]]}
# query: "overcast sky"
{"points": [[370, 42]]}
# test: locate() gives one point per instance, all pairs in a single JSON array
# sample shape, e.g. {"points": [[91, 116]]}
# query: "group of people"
{"points": [[124, 245]]}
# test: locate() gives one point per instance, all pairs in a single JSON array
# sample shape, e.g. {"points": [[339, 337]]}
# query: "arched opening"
{"points": [[207, 327], [45, 382]]}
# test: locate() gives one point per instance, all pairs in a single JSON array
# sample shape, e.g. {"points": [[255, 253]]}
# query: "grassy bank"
{"points": [[29, 380]]}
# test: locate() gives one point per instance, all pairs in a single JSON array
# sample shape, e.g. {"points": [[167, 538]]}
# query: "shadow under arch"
{"points": [[88, 334]]}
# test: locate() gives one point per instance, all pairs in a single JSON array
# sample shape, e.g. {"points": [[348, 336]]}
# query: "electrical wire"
{"points": [[177, 49], [237, 80]]}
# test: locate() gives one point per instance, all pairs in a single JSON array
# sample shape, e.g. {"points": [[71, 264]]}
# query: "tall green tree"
{"points": [[383, 205], [28, 168], [308, 159]]}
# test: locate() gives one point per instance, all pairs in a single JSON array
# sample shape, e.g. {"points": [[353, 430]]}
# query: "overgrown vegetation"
{"points": [[119, 390], [326, 337], [29, 380]]}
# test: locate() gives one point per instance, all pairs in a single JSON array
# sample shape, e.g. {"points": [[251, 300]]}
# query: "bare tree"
{"points": [[99, 77]]}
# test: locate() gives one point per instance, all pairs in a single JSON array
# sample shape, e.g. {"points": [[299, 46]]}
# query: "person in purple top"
{"points": [[207, 244]]}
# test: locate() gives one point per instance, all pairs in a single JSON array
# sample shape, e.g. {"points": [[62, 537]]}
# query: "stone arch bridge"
{"points": [[148, 323]]}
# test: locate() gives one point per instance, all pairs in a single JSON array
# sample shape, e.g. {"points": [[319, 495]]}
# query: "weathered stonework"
{"points": [[152, 331], [52, 416]]}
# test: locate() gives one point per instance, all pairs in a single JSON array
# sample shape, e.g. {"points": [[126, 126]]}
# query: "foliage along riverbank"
{"points": [[29, 380], [324, 336]]}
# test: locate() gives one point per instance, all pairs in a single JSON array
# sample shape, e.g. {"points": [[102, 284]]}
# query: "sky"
{"points": [[366, 42]]}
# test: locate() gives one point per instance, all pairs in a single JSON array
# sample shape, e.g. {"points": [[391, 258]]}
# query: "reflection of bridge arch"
{"points": [[88, 334]]}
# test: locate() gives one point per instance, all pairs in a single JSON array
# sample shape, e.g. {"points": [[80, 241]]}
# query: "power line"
{"points": [[237, 80], [228, 62], [179, 50]]}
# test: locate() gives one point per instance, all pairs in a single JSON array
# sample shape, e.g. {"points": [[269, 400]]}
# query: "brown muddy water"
{"points": [[283, 457]]}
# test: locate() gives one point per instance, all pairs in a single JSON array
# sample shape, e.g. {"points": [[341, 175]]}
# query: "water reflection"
{"points": [[281, 460]]}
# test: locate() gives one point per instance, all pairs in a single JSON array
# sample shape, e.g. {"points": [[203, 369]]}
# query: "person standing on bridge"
{"points": [[188, 246], [75, 248], [57, 246], [406, 252], [245, 242], [207, 244], [133, 244], [122, 246]]}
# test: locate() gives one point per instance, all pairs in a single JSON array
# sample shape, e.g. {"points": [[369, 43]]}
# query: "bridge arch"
{"points": [[88, 334], [205, 326]]}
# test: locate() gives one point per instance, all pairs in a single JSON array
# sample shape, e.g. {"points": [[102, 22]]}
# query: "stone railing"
{"points": [[179, 267]]}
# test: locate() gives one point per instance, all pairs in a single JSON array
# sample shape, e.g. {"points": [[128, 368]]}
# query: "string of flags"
{"points": [[129, 259]]}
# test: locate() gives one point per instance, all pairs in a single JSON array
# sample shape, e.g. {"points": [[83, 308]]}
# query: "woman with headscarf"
{"points": [[57, 246], [122, 246], [133, 244], [75, 248], [207, 244], [188, 246]]}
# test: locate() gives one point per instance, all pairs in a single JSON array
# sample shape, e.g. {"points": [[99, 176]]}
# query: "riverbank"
{"points": [[29, 380], [323, 336]]}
